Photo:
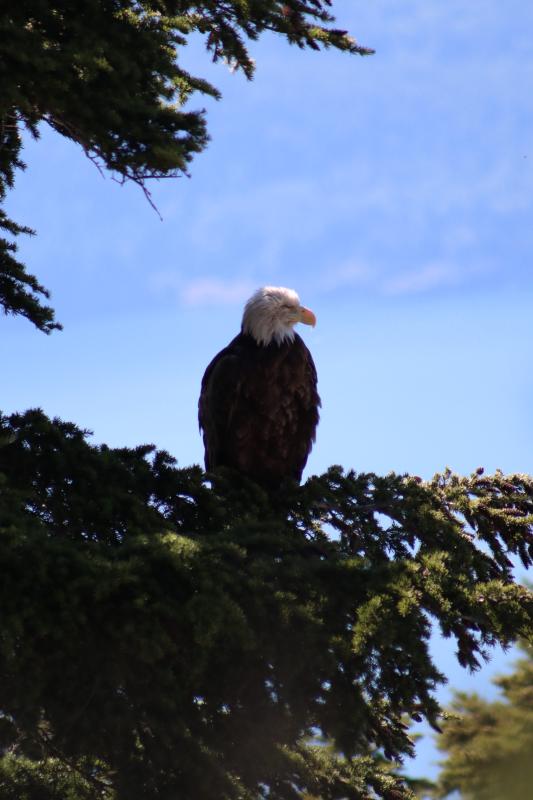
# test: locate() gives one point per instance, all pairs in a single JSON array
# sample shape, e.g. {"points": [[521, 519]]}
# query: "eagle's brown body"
{"points": [[258, 409]]}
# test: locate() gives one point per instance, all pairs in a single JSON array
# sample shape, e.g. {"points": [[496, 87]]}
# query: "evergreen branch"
{"points": [[108, 78], [227, 627]]}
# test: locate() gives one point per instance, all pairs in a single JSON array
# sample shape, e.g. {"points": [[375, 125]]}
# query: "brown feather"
{"points": [[258, 409]]}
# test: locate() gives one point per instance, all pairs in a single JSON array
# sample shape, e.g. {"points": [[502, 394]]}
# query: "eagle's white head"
{"points": [[271, 314]]}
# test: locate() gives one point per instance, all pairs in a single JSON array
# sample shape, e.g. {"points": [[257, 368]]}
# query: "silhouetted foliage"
{"points": [[107, 76], [167, 634]]}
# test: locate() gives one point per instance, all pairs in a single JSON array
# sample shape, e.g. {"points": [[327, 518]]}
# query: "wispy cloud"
{"points": [[345, 276], [213, 291], [202, 291], [423, 279], [385, 280]]}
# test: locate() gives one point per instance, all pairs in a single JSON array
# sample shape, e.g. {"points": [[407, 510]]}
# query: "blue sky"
{"points": [[394, 193]]}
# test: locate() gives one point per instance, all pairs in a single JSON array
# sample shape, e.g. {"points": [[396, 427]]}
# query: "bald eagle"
{"points": [[258, 406]]}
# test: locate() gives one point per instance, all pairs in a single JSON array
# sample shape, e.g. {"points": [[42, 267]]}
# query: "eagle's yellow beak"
{"points": [[307, 316]]}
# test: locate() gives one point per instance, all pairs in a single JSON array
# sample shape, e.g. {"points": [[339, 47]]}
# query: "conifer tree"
{"points": [[167, 634], [489, 744], [107, 75]]}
